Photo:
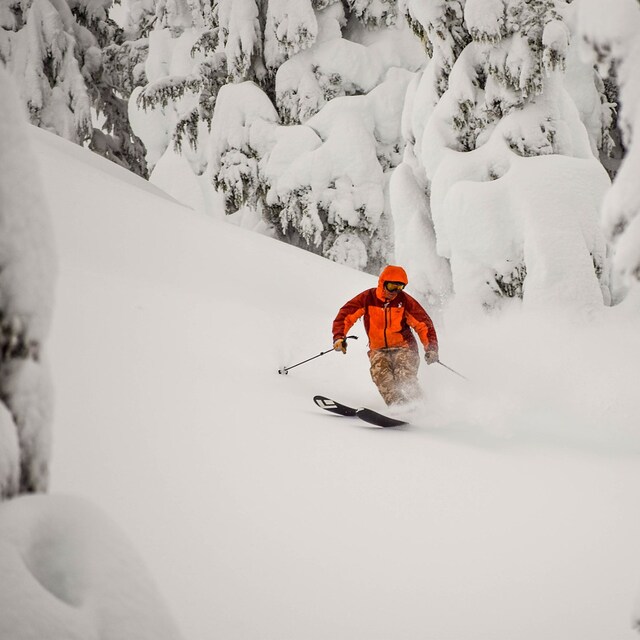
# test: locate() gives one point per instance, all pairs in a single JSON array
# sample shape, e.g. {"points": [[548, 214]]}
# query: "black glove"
{"points": [[431, 356]]}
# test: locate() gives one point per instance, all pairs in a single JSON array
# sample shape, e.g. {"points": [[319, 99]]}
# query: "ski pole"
{"points": [[285, 370], [452, 370]]}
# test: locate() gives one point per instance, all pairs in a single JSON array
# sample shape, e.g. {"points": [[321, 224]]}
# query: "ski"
{"points": [[373, 417], [333, 406], [367, 415]]}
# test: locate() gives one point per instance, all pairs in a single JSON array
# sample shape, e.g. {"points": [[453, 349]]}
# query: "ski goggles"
{"points": [[394, 286]]}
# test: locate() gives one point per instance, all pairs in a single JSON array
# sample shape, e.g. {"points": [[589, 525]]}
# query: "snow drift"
{"points": [[69, 574]]}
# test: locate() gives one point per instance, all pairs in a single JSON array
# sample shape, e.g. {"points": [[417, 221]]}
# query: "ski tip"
{"points": [[334, 407], [321, 401]]}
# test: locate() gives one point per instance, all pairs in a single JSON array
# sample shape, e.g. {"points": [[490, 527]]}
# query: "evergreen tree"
{"points": [[501, 65], [440, 26], [38, 44], [612, 42], [300, 56], [27, 272], [191, 95], [374, 13], [523, 47], [112, 81], [55, 51]]}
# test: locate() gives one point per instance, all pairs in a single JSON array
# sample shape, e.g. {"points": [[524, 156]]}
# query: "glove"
{"points": [[340, 345], [431, 356]]}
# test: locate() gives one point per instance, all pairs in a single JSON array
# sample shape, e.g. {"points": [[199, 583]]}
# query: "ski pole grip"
{"points": [[346, 343]]}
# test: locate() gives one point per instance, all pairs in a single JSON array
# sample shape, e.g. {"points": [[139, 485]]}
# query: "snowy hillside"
{"points": [[508, 510]]}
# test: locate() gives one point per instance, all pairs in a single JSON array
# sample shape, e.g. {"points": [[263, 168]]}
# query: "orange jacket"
{"points": [[388, 322]]}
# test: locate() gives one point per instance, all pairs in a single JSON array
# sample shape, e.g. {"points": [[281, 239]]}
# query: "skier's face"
{"points": [[390, 295], [392, 289]]}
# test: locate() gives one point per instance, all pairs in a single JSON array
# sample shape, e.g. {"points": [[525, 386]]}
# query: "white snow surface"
{"points": [[507, 509]]}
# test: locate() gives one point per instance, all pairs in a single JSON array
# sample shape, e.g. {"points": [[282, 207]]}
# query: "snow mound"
{"points": [[68, 573]]}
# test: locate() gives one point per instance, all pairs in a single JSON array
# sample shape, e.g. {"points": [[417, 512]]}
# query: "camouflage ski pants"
{"points": [[395, 373]]}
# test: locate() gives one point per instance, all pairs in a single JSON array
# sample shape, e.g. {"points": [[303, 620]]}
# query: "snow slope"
{"points": [[508, 510]]}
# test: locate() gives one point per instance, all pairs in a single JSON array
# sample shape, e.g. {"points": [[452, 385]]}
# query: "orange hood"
{"points": [[390, 273]]}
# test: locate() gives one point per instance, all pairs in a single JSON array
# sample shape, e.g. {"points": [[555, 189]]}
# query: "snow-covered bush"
{"points": [[510, 223], [73, 66], [610, 35], [27, 271]]}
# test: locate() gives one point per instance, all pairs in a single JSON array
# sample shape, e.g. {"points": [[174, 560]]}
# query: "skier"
{"points": [[389, 315]]}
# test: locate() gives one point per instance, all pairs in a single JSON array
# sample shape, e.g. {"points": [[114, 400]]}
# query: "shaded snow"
{"points": [[68, 573]]}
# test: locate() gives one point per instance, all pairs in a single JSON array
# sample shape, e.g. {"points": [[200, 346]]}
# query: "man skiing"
{"points": [[389, 314]]}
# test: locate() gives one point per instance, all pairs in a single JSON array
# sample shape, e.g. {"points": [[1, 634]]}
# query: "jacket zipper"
{"points": [[386, 311]]}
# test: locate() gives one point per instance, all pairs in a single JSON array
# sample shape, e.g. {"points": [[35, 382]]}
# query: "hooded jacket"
{"points": [[388, 322]]}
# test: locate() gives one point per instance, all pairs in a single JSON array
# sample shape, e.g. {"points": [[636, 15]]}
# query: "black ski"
{"points": [[373, 417], [368, 415], [333, 406]]}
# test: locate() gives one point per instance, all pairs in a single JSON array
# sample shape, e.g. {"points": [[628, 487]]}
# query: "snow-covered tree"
{"points": [[184, 75], [286, 62], [111, 83], [304, 142], [505, 102], [440, 26], [441, 29], [54, 49], [611, 39], [27, 271], [38, 44]]}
